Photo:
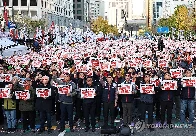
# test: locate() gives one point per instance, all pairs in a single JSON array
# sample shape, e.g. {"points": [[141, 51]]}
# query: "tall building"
{"points": [[81, 10], [157, 10], [115, 12], [149, 12], [59, 11], [96, 8], [170, 5]]}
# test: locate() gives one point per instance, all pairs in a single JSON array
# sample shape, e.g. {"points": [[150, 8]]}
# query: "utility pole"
{"points": [[12, 11], [12, 7], [124, 16], [116, 18]]}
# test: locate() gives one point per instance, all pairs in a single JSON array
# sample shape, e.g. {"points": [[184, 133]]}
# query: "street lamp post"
{"points": [[173, 31], [124, 16]]}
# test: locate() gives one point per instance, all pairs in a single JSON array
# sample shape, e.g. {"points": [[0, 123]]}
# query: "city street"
{"points": [[145, 132]]}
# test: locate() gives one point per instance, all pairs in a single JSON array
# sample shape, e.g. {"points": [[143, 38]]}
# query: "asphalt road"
{"points": [[137, 132], [157, 132]]}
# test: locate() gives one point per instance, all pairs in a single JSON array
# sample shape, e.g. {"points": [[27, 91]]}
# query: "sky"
{"points": [[138, 7]]}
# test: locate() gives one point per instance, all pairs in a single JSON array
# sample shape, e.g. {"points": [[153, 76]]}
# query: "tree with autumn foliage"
{"points": [[101, 25], [180, 20], [30, 23]]}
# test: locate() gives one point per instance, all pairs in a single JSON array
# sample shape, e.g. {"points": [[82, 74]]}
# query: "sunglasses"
{"points": [[109, 77], [127, 75], [44, 79]]}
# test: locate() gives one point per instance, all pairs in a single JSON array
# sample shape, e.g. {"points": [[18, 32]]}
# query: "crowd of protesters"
{"points": [[178, 54]]}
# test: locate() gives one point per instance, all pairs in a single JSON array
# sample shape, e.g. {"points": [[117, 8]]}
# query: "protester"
{"points": [[187, 100], [147, 103], [10, 105], [66, 103], [103, 66], [27, 107], [109, 98], [79, 105], [89, 105], [128, 101], [44, 105], [167, 97]]}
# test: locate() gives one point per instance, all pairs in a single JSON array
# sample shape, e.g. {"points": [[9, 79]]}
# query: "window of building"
{"points": [[23, 2], [113, 4], [69, 14], [73, 5], [79, 11], [43, 4], [78, 0], [79, 17], [15, 3], [78, 5], [32, 2], [157, 8], [6, 1], [159, 3], [73, 11]]}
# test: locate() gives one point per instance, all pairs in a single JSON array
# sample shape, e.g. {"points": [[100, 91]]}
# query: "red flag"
{"points": [[35, 35], [5, 14], [16, 35], [52, 26]]}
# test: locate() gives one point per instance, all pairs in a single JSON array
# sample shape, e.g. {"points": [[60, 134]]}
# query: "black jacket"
{"points": [[45, 104], [90, 100], [147, 98], [167, 95], [187, 93], [109, 92], [127, 98]]}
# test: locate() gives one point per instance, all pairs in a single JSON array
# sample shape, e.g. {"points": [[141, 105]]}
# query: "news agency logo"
{"points": [[141, 125]]}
